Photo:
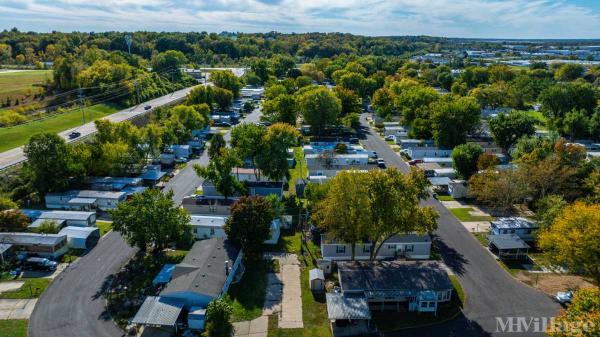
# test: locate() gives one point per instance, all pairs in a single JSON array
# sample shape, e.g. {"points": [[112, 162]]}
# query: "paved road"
{"points": [[491, 292], [186, 181], [71, 306], [15, 156]]}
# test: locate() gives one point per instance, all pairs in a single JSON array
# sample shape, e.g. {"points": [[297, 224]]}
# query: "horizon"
{"points": [[460, 19]]}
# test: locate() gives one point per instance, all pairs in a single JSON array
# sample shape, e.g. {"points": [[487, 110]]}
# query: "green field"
{"points": [[463, 214], [105, 226], [13, 328], [16, 136], [20, 84], [32, 288]]}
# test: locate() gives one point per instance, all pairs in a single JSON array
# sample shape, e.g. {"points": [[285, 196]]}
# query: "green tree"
{"points": [[549, 208], [508, 128], [151, 220], [168, 63], [561, 98], [218, 171], [65, 72], [249, 224], [48, 227], [223, 98], [498, 189], [569, 72], [582, 313], [218, 317], [576, 124], [227, 80], [465, 158], [567, 240], [383, 102], [453, 119], [350, 101], [13, 221], [282, 64], [319, 107], [260, 67], [49, 160], [272, 158], [200, 94], [282, 108], [7, 203], [217, 142], [248, 141]]}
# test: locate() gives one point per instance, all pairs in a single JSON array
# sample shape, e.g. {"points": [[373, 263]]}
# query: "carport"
{"points": [[508, 246], [349, 315], [159, 312]]}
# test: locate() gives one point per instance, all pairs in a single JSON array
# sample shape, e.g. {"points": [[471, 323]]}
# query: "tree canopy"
{"points": [[249, 224]]}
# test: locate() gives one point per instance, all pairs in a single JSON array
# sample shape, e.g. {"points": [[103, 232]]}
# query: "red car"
{"points": [[415, 162]]}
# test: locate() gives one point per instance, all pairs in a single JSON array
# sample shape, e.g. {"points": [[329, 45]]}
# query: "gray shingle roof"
{"points": [[340, 306], [203, 268], [507, 241], [393, 275], [32, 238], [158, 311]]}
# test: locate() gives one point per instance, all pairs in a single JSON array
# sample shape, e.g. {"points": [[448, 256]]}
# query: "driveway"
{"points": [[16, 309], [72, 306], [491, 292]]}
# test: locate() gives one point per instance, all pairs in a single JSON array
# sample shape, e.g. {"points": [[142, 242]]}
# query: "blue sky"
{"points": [[451, 18]]}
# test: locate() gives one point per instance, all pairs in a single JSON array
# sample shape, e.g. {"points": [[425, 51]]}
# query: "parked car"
{"points": [[40, 263], [381, 163], [223, 124], [390, 137], [148, 107], [373, 155], [415, 161], [181, 160], [74, 134], [564, 297], [353, 140]]}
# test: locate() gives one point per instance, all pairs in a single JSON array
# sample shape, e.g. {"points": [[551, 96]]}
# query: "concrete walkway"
{"points": [[10, 285], [255, 328], [16, 309]]}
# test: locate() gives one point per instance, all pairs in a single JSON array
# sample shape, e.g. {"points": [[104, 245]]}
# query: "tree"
{"points": [[218, 316], [465, 158], [13, 221], [282, 108], [247, 140], [383, 102], [349, 99], [250, 224], [217, 142], [218, 171], [319, 107], [486, 161], [151, 220], [569, 72], [453, 119], [49, 160], [168, 63], [194, 117], [508, 128], [200, 94], [227, 80], [581, 318], [223, 98], [549, 208], [272, 158], [282, 64], [48, 227], [567, 240], [260, 68], [498, 189], [6, 203], [576, 124], [561, 98]]}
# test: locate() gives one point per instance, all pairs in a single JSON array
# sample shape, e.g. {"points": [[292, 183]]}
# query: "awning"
{"points": [[158, 311], [341, 306], [164, 276], [507, 241]]}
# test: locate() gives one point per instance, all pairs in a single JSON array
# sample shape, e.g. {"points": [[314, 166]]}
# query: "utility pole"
{"points": [[80, 97], [137, 92]]}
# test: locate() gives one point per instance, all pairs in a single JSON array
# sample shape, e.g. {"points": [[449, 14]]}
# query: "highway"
{"points": [[15, 156], [490, 291]]}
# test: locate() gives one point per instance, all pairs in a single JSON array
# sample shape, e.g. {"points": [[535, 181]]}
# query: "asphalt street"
{"points": [[72, 306], [491, 292]]}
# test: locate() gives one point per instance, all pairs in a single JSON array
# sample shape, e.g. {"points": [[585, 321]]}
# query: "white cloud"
{"points": [[462, 18]]}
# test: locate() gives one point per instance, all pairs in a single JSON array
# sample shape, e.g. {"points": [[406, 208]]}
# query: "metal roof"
{"points": [[4, 247], [507, 241], [57, 215], [31, 238], [316, 274], [340, 306], [158, 311], [513, 223], [208, 220], [78, 232], [203, 268], [439, 181], [83, 201], [393, 275], [164, 275]]}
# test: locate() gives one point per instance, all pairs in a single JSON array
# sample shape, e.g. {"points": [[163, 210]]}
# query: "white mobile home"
{"points": [[84, 200], [410, 246]]}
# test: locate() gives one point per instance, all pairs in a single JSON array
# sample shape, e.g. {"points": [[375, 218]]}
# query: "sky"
{"points": [[526, 19]]}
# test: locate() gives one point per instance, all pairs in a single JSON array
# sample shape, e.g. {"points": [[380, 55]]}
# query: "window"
{"points": [[432, 304], [423, 304], [409, 248], [340, 249], [212, 231], [366, 249]]}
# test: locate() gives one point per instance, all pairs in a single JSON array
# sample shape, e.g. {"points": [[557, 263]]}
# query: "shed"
{"points": [[81, 237], [316, 279], [196, 318]]}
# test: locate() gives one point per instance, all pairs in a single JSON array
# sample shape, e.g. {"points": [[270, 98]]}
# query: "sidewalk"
{"points": [[16, 309]]}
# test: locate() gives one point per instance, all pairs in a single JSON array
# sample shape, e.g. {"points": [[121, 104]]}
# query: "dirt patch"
{"points": [[552, 283]]}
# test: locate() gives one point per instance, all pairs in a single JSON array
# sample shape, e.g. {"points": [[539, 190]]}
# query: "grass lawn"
{"points": [[105, 226], [444, 198], [19, 84], [299, 171], [463, 215], [13, 328], [32, 288], [314, 309], [247, 297], [391, 320], [16, 136], [72, 255], [482, 238]]}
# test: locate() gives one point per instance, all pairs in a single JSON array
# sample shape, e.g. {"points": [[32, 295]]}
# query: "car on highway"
{"points": [[74, 134], [148, 107], [380, 163], [40, 263]]}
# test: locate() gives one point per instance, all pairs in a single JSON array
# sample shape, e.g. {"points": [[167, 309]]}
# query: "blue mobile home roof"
{"points": [[164, 275]]}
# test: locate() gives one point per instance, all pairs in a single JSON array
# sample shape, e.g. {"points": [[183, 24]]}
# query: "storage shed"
{"points": [[317, 280], [81, 237]]}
